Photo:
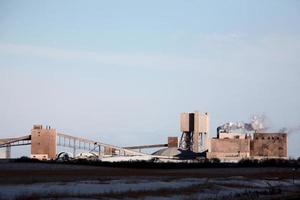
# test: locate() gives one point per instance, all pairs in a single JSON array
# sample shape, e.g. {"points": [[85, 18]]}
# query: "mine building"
{"points": [[236, 141], [43, 142]]}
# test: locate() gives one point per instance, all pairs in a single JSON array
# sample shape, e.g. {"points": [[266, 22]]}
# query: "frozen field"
{"points": [[154, 188], [44, 181]]}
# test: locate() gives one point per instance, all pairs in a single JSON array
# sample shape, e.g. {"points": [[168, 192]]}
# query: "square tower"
{"points": [[201, 129], [43, 142], [195, 128]]}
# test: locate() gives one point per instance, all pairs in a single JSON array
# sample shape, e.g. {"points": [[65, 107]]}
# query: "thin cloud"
{"points": [[210, 51], [132, 60]]}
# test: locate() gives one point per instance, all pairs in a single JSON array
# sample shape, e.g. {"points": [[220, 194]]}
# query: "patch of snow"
{"points": [[220, 187], [89, 187]]}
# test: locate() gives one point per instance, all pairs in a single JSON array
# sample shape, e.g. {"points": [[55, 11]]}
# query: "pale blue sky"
{"points": [[122, 71]]}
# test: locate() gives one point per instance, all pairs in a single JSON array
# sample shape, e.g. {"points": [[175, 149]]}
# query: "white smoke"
{"points": [[256, 124]]}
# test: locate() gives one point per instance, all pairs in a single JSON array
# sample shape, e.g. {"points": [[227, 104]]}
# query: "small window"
{"points": [[268, 138], [263, 138]]}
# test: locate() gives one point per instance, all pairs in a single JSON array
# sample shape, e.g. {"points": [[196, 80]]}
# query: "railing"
{"points": [[76, 143]]}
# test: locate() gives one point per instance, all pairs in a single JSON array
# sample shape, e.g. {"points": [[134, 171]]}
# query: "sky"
{"points": [[121, 72]]}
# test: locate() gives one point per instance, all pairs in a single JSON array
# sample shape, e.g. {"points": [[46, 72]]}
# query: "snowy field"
{"points": [[153, 188], [60, 181]]}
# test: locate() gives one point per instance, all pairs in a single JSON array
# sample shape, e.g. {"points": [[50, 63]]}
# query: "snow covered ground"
{"points": [[148, 188], [70, 181]]}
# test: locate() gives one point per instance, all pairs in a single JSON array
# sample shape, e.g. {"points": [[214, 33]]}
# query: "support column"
{"points": [[8, 152], [99, 151], [74, 148]]}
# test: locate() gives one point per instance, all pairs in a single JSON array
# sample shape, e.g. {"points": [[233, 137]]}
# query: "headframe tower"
{"points": [[195, 131]]}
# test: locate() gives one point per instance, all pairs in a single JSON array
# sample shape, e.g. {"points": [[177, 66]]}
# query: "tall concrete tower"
{"points": [[195, 131], [43, 142], [201, 130]]}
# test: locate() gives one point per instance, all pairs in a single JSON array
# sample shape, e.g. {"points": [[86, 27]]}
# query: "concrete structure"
{"points": [[234, 141], [5, 152], [43, 142], [195, 131], [201, 130], [7, 143]]}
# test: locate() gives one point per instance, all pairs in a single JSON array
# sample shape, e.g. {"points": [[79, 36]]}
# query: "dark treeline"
{"points": [[153, 164]]}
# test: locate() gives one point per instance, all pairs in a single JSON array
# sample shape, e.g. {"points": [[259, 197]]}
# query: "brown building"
{"points": [[236, 147], [172, 142], [43, 142], [270, 145], [229, 149]]}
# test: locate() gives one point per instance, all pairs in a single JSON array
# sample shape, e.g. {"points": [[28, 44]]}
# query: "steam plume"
{"points": [[256, 124]]}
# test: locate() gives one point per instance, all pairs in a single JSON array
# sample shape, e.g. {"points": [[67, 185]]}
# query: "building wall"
{"points": [[201, 129], [187, 122], [269, 145], [172, 142], [229, 149], [232, 136], [43, 141], [262, 145]]}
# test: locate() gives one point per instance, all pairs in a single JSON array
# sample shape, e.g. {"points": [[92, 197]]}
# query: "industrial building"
{"points": [[43, 142], [234, 141], [240, 140], [258, 146]]}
